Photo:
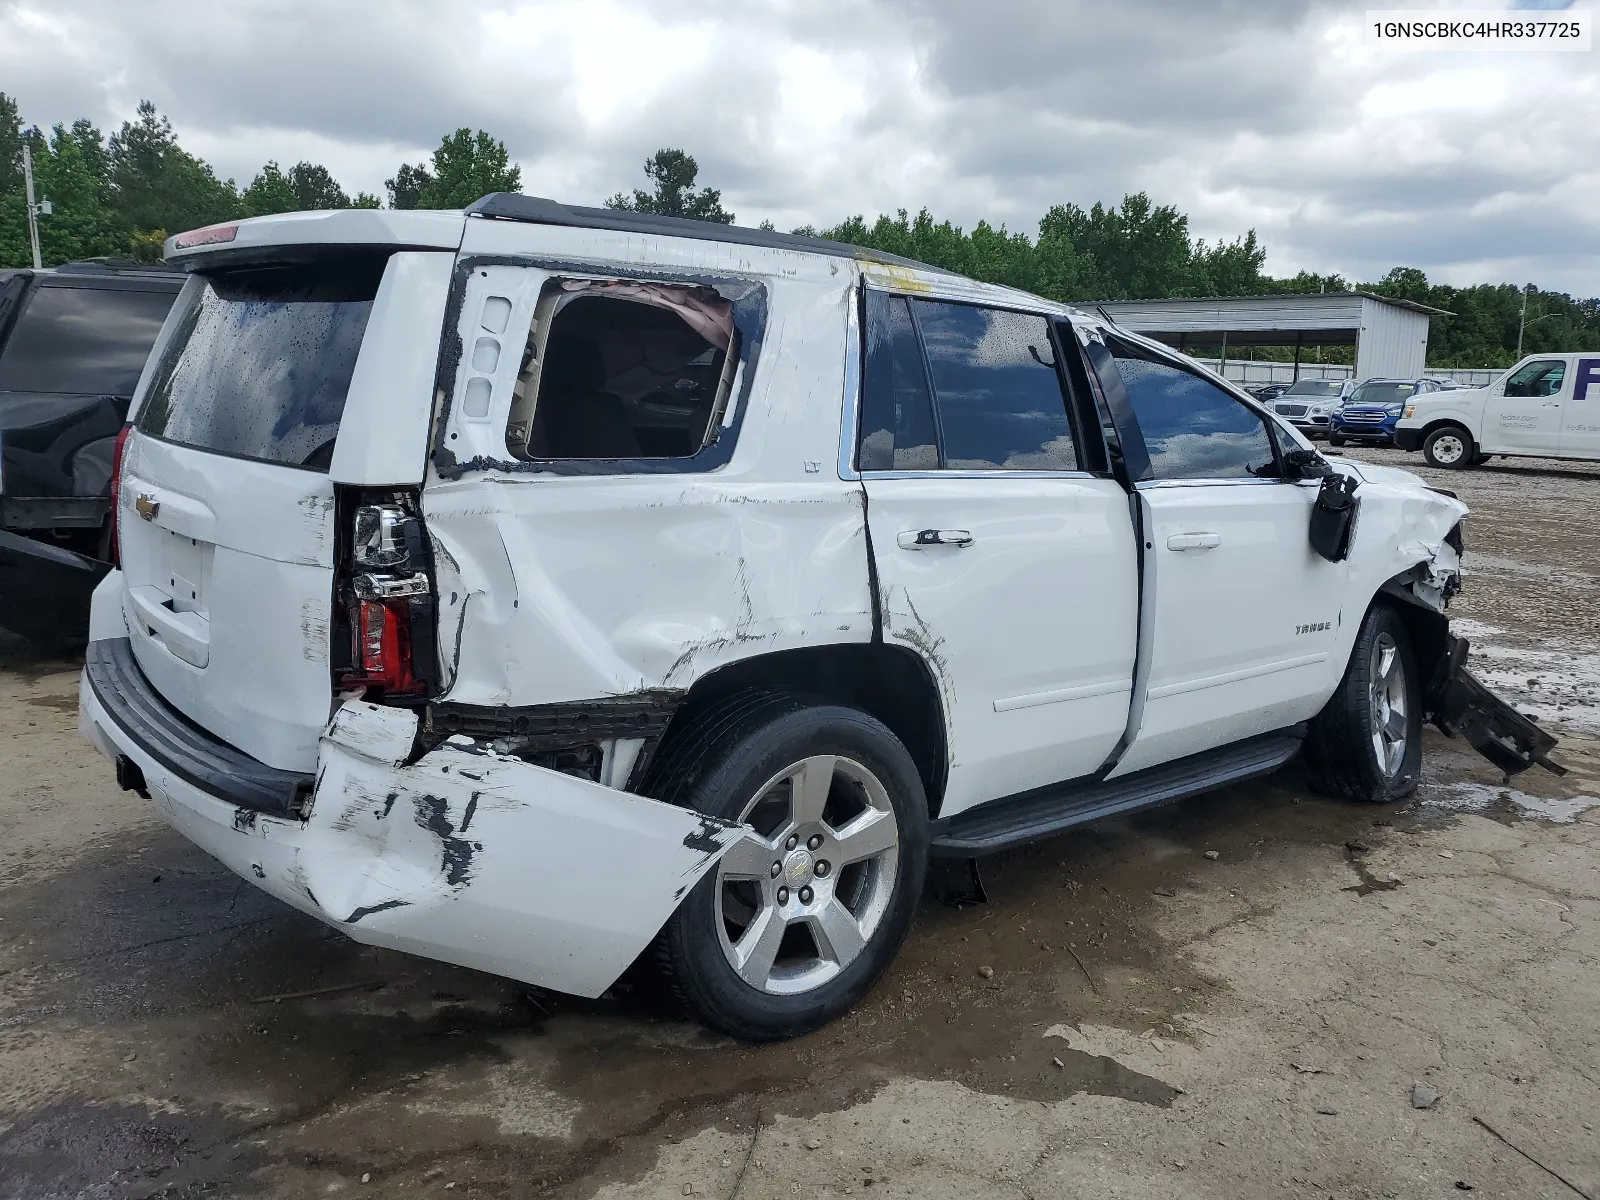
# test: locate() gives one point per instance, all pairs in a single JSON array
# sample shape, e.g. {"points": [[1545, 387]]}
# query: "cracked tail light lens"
{"points": [[386, 555]]}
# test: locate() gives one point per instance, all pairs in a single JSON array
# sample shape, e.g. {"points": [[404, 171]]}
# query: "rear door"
{"points": [[226, 517], [1523, 415], [1242, 615], [1580, 417], [1007, 567]]}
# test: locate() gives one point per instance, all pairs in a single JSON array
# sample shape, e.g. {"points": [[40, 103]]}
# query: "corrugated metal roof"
{"points": [[1345, 304]]}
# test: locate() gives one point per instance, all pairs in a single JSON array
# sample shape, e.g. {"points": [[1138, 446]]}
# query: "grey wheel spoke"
{"points": [[810, 784], [868, 834], [1395, 727], [749, 858], [838, 932], [756, 951]]}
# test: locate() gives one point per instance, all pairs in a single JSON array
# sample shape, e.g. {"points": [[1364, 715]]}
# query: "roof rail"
{"points": [[536, 210]]}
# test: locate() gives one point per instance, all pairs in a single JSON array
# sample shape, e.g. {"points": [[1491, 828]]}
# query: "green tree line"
{"points": [[120, 196]]}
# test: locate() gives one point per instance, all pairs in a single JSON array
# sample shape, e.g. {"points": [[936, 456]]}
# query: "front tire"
{"points": [[798, 920], [1335, 440], [1366, 743], [1450, 448]]}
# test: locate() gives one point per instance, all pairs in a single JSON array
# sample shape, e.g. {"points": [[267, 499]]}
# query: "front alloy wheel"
{"points": [[1386, 674], [798, 899], [1366, 743]]}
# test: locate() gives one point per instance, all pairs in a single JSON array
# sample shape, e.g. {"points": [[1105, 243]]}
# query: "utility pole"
{"points": [[1522, 321], [34, 210]]}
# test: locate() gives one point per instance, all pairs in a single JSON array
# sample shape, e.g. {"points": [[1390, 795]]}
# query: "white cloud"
{"points": [[1343, 156]]}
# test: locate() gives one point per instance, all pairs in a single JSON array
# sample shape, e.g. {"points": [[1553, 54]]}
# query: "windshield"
{"points": [[260, 361], [1314, 387], [1382, 393]]}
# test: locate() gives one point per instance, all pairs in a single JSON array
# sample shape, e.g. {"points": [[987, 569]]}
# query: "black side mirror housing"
{"points": [[1300, 463]]}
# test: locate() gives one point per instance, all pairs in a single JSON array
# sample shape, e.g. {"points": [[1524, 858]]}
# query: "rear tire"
{"points": [[1450, 448], [794, 926], [1366, 743]]}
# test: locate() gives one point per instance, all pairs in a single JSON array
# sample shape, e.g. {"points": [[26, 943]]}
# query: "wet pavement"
{"points": [[1125, 1016]]}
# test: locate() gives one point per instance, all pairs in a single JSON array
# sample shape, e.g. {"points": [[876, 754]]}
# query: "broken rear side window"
{"points": [[620, 370]]}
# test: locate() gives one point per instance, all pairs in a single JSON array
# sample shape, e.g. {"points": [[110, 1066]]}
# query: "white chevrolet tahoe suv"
{"points": [[536, 587], [1547, 406]]}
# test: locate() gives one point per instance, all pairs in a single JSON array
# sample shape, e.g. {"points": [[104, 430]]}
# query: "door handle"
{"points": [[919, 539], [1194, 541]]}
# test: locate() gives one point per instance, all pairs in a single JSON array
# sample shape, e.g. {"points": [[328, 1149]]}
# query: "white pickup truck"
{"points": [[1547, 406], [533, 587]]}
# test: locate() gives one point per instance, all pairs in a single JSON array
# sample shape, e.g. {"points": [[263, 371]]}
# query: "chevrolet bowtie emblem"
{"points": [[147, 507]]}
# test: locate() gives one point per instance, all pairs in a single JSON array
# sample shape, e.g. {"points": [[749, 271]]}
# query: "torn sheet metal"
{"points": [[464, 856]]}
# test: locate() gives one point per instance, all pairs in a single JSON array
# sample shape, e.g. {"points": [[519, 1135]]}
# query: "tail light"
{"points": [[116, 491], [390, 601]]}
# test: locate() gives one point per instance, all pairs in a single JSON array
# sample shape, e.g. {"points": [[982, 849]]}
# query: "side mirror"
{"points": [[1300, 463]]}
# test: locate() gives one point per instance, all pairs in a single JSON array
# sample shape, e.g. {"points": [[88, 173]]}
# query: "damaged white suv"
{"points": [[535, 586]]}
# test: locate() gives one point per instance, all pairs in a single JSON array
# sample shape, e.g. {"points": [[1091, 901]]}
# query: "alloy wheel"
{"points": [[1387, 680], [798, 898]]}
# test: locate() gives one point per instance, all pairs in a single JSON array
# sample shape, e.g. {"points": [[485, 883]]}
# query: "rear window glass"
{"points": [[994, 380], [260, 362], [82, 340]]}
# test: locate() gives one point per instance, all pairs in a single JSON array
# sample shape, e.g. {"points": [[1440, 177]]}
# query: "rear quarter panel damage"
{"points": [[564, 587], [471, 858]]}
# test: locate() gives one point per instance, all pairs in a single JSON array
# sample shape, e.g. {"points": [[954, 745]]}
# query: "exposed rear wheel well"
{"points": [[889, 682]]}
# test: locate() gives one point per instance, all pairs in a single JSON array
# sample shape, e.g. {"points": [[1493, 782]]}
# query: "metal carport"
{"points": [[1390, 336]]}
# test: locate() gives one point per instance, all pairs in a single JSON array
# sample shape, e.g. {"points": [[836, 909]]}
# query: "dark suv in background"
{"points": [[72, 343]]}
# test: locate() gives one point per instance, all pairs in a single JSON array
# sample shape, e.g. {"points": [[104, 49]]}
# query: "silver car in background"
{"points": [[1309, 403]]}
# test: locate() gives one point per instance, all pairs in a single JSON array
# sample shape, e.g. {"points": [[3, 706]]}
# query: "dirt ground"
{"points": [[1126, 1017]]}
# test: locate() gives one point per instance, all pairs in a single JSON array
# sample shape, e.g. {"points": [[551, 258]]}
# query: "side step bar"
{"points": [[1044, 812]]}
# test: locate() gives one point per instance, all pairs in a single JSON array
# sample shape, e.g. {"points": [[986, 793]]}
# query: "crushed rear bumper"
{"points": [[463, 856]]}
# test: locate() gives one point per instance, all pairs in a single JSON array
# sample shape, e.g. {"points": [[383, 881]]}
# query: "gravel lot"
{"points": [[1156, 1024]]}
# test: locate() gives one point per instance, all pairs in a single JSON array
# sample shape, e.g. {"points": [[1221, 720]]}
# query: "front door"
{"points": [[1580, 416], [1241, 614], [1006, 568], [1525, 418]]}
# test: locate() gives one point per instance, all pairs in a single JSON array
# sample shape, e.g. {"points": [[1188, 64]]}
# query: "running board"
{"points": [[1044, 812]]}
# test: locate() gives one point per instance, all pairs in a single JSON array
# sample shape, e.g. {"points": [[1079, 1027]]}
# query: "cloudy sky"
{"points": [[1272, 114]]}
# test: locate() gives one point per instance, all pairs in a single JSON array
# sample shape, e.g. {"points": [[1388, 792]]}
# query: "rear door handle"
{"points": [[920, 539], [1194, 541]]}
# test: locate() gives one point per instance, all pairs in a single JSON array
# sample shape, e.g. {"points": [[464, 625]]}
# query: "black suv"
{"points": [[72, 343]]}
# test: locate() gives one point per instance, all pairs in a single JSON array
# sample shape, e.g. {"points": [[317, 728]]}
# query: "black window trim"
{"points": [[1144, 479], [850, 432], [749, 297]]}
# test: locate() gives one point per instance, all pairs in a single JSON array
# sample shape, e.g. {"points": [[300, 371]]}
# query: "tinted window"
{"points": [[1382, 393], [1193, 429], [71, 339], [259, 363], [996, 385], [896, 410], [1537, 379]]}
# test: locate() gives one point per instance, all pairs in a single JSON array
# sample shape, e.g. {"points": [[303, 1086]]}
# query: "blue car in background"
{"points": [[1373, 409]]}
